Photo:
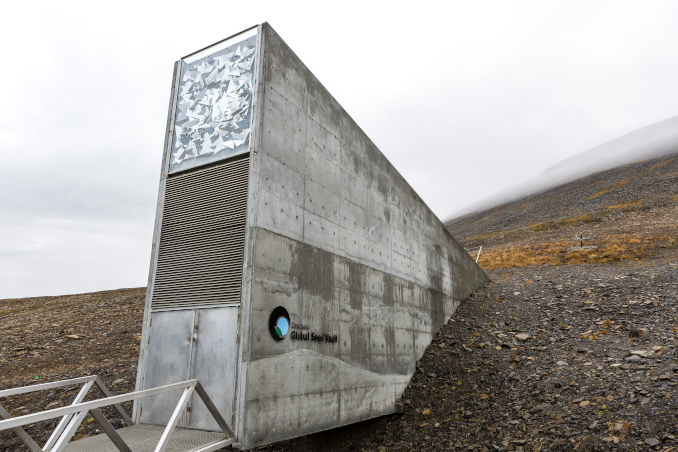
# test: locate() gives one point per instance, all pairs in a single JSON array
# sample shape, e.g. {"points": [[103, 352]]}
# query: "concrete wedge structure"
{"points": [[294, 271]]}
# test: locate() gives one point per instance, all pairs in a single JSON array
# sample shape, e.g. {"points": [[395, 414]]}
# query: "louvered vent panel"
{"points": [[202, 239]]}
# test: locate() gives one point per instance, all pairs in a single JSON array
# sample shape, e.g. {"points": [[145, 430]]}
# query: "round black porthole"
{"points": [[279, 323]]}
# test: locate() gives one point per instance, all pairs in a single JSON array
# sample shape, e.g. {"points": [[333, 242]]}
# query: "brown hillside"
{"points": [[627, 212]]}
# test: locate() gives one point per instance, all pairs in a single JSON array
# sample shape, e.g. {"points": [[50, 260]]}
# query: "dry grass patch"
{"points": [[611, 249], [485, 236], [629, 205], [614, 187], [661, 164], [568, 222]]}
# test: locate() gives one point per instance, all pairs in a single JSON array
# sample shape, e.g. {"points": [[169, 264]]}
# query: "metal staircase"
{"points": [[131, 438]]}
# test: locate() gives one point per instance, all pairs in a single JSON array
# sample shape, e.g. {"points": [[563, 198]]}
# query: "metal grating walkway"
{"points": [[144, 438]]}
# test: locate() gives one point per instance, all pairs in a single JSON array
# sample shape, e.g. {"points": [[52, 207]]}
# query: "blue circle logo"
{"points": [[281, 326], [279, 323]]}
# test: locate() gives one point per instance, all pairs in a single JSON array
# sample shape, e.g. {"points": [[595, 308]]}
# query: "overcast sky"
{"points": [[465, 99]]}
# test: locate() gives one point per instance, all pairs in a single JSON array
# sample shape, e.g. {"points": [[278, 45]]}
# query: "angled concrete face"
{"points": [[365, 271]]}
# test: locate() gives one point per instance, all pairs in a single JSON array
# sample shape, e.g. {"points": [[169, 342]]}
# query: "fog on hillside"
{"points": [[652, 141]]}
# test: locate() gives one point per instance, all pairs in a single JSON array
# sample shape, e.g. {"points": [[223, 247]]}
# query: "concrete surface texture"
{"points": [[338, 238]]}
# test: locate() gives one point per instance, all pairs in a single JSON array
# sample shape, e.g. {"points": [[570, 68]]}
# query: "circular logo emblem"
{"points": [[279, 323]]}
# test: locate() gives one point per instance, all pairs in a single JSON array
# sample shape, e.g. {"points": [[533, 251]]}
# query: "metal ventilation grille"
{"points": [[202, 239]]}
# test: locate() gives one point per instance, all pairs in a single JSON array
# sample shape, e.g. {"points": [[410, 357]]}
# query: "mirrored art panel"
{"points": [[214, 103]]}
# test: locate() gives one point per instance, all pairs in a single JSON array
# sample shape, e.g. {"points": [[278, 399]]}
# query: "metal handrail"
{"points": [[87, 383], [43, 386], [74, 414]]}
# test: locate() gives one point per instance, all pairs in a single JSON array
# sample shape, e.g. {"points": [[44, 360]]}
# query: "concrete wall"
{"points": [[338, 238]]}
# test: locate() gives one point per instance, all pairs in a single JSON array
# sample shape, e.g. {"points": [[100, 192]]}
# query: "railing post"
{"points": [[65, 420], [174, 420], [68, 432], [109, 430], [213, 410], [117, 406], [21, 433]]}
